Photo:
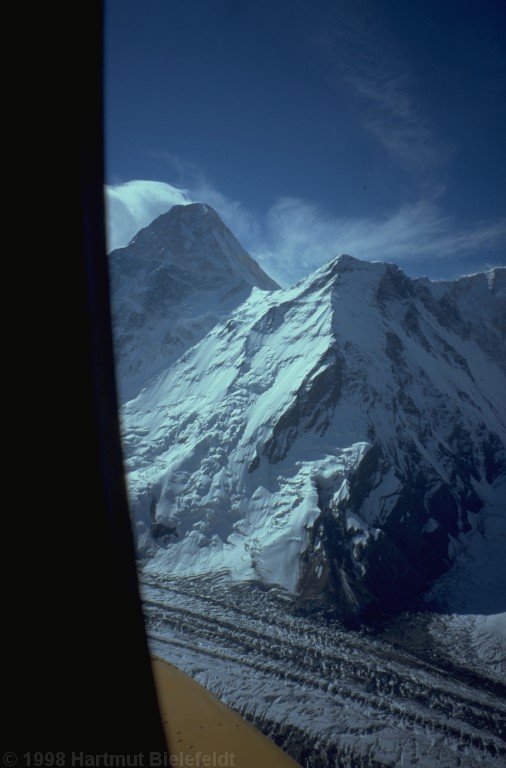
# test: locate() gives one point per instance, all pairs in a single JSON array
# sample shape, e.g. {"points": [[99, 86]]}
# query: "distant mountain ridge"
{"points": [[338, 438]]}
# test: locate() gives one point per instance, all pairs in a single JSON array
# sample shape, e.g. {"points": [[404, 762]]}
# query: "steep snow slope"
{"points": [[334, 438], [170, 285]]}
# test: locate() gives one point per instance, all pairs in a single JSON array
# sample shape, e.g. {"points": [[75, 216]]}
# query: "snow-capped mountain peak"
{"points": [[210, 250], [170, 285], [335, 438]]}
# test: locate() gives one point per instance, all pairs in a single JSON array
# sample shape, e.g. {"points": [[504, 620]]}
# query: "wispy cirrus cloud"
{"points": [[395, 121], [296, 236], [300, 237], [360, 55]]}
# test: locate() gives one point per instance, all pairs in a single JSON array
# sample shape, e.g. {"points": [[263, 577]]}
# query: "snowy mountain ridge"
{"points": [[337, 438]]}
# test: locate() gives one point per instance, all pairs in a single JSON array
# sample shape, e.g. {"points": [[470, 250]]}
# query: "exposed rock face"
{"points": [[335, 438]]}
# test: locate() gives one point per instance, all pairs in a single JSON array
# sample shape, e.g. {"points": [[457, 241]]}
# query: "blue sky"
{"points": [[313, 127]]}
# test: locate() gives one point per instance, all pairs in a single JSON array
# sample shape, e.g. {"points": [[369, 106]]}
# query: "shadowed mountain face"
{"points": [[170, 285], [340, 438]]}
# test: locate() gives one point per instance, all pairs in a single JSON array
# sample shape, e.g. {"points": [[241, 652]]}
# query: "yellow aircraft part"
{"points": [[202, 732]]}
